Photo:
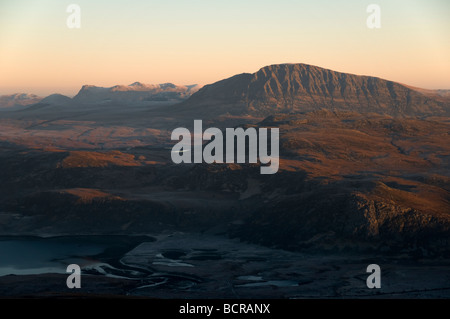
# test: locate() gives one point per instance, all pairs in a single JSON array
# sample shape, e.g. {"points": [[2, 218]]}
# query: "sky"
{"points": [[204, 41]]}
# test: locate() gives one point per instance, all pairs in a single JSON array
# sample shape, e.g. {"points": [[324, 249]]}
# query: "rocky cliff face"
{"points": [[293, 88]]}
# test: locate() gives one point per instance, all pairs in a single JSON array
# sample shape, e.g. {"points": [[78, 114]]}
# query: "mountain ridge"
{"points": [[294, 88], [18, 100], [135, 93], [277, 88]]}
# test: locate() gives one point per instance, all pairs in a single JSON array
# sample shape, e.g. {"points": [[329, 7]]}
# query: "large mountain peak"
{"points": [[294, 88]]}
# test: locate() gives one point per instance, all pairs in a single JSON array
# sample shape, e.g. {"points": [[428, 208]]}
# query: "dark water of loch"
{"points": [[36, 255]]}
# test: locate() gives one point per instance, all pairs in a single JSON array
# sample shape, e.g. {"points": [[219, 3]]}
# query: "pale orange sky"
{"points": [[203, 41]]}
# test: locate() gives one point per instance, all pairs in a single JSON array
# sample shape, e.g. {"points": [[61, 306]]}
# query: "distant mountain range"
{"points": [[18, 100], [133, 94], [283, 88], [294, 88]]}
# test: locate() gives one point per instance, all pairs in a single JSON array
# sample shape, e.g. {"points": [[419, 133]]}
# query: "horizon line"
{"points": [[76, 91]]}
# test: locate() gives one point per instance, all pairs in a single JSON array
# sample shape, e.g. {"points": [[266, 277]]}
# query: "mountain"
{"points": [[134, 93], [18, 100], [296, 88], [52, 101], [56, 99]]}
